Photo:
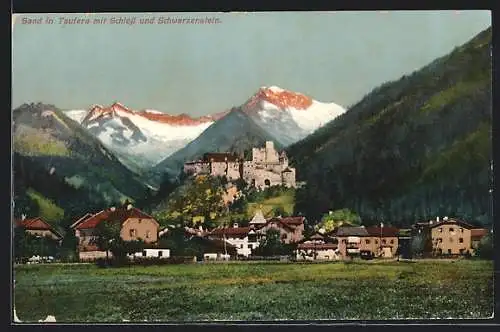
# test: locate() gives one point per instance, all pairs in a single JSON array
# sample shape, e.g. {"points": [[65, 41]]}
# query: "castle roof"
{"points": [[219, 157]]}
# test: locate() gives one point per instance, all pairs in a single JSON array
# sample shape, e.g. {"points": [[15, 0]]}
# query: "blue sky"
{"points": [[206, 68]]}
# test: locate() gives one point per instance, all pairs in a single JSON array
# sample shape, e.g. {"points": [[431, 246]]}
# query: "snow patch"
{"points": [[273, 88], [316, 116], [153, 111], [76, 115]]}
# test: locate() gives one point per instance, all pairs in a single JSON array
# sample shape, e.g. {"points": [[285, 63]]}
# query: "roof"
{"points": [[215, 245], [478, 233], [452, 221], [258, 218], [231, 231], [219, 157], [317, 246], [351, 231], [279, 222], [317, 236], [383, 231], [290, 221], [36, 224], [119, 214], [87, 215]]}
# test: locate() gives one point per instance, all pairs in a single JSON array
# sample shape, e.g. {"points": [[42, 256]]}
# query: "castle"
{"points": [[267, 167]]}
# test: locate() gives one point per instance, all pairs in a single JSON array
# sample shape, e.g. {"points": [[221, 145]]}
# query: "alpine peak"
{"points": [[279, 97]]}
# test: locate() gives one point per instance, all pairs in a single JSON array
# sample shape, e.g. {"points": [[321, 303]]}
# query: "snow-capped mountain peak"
{"points": [[279, 97], [290, 115], [140, 138]]}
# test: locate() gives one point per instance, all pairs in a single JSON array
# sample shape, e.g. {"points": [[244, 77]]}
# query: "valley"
{"points": [[413, 126]]}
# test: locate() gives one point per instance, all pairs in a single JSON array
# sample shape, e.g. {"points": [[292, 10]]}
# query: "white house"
{"points": [[313, 250], [245, 239], [150, 253]]}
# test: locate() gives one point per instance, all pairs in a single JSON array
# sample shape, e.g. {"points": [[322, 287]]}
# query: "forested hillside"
{"points": [[60, 167], [411, 149]]}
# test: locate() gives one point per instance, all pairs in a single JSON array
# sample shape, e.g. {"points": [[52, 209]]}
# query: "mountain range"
{"points": [[140, 138], [51, 152], [153, 143], [411, 149]]}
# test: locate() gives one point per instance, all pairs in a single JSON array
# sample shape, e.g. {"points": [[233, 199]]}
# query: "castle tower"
{"points": [[283, 160], [271, 154]]}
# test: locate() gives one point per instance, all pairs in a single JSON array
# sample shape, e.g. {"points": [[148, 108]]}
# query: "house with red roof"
{"points": [[38, 227], [135, 225], [291, 228]]}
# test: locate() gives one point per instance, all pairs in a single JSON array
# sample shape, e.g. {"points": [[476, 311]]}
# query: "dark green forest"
{"points": [[412, 149]]}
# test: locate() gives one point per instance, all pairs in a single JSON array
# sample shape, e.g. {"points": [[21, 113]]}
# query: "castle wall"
{"points": [[233, 171], [266, 164], [218, 168], [261, 175], [289, 178], [258, 155]]}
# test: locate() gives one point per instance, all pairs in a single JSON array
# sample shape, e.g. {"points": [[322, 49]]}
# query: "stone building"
{"points": [[267, 168]]}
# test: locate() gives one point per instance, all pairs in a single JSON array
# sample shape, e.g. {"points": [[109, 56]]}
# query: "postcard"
{"points": [[252, 167]]}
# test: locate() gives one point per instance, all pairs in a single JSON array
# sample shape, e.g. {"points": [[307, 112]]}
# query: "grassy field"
{"points": [[256, 291], [285, 201]]}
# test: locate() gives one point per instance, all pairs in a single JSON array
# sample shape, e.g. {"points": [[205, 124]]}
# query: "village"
{"points": [[448, 237], [259, 238]]}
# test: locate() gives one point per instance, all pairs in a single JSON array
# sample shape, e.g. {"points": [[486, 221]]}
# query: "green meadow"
{"points": [[256, 291]]}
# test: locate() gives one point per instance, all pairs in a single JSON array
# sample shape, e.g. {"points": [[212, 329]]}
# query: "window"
{"points": [[384, 241], [249, 246], [132, 233], [367, 241], [241, 246], [449, 251], [160, 253], [148, 234], [441, 230], [376, 241], [392, 241], [452, 229], [440, 240], [461, 230], [344, 241], [461, 240], [144, 253]]}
